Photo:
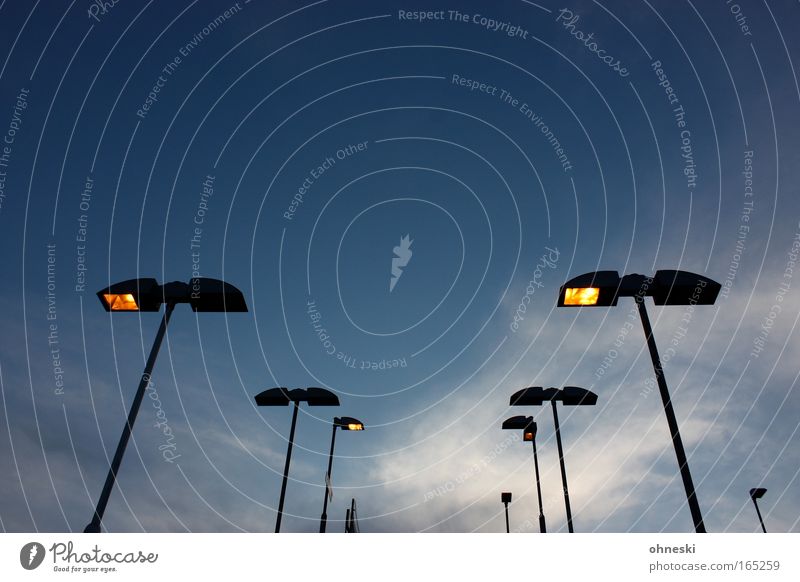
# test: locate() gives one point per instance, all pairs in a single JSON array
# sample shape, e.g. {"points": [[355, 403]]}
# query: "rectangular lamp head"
{"points": [[214, 295], [576, 396], [597, 289], [684, 288], [143, 294]]}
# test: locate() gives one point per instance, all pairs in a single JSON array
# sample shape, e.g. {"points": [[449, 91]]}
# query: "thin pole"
{"points": [[758, 511], [542, 526], [286, 468], [508, 529], [95, 525], [353, 517], [323, 522], [680, 453], [563, 468]]}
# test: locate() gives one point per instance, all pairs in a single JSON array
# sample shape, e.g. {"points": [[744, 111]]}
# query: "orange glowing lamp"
{"points": [[348, 423], [600, 288], [581, 295], [120, 302]]}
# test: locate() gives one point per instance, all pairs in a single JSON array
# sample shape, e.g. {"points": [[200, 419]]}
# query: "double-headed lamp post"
{"points": [[569, 396], [146, 294], [282, 397], [344, 423], [667, 287], [755, 495], [528, 427]]}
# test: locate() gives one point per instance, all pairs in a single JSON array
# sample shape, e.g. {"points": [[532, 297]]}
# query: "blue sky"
{"points": [[516, 144]]}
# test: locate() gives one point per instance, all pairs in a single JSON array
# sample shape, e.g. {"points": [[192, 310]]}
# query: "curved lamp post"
{"points": [[344, 423], [569, 396], [147, 295], [282, 397], [756, 494], [528, 427], [667, 287]]}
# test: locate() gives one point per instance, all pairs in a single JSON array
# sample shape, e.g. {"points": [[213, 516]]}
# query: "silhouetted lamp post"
{"points": [[756, 494], [667, 287], [528, 427], [344, 423], [282, 397], [147, 295], [569, 396], [505, 498]]}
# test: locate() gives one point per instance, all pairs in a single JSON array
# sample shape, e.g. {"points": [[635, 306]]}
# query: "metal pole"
{"points": [[94, 525], [542, 526], [323, 522], [758, 511], [563, 469], [286, 468], [353, 517], [683, 463], [508, 529]]}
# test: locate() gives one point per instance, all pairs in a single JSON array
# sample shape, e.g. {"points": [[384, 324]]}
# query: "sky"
{"points": [[399, 189]]}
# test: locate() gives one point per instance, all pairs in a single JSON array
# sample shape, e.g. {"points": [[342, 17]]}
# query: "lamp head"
{"points": [[142, 294], [321, 397], [517, 423], [348, 423], [215, 295], [283, 396], [667, 287], [145, 294], [274, 397], [534, 396], [524, 423], [597, 289], [575, 396], [684, 288]]}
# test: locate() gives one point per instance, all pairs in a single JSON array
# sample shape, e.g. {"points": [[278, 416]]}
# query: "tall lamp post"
{"points": [[505, 498], [756, 494], [528, 427], [282, 397], [344, 423], [569, 396], [146, 294], [667, 287]]}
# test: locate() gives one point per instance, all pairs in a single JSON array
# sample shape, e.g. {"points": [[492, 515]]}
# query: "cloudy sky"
{"points": [[289, 148]]}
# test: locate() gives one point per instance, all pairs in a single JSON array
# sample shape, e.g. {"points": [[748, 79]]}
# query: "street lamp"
{"points": [[755, 494], [667, 287], [146, 294], [569, 396], [505, 498], [344, 423], [528, 427], [282, 397]]}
